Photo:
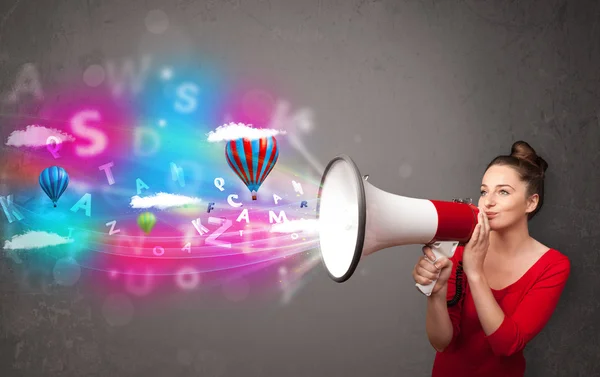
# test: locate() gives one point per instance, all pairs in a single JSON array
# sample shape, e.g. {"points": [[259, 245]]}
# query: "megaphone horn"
{"points": [[357, 219]]}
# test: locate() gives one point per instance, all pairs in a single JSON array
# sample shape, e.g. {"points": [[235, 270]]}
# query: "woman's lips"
{"points": [[491, 215]]}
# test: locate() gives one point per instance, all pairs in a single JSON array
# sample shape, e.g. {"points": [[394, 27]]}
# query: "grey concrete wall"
{"points": [[422, 94]]}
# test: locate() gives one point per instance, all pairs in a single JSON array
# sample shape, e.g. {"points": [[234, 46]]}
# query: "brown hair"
{"points": [[530, 167]]}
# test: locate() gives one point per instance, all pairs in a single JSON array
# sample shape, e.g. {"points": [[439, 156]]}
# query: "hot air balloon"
{"points": [[54, 181], [146, 221], [252, 160]]}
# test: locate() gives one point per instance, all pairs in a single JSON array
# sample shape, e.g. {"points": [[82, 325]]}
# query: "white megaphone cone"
{"points": [[357, 219]]}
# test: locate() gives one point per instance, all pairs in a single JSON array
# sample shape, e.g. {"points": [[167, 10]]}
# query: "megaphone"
{"points": [[357, 219]]}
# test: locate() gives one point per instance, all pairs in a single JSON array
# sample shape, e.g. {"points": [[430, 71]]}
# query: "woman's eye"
{"points": [[482, 192], [504, 192]]}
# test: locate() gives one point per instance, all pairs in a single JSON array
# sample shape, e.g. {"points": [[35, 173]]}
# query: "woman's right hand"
{"points": [[425, 271]]}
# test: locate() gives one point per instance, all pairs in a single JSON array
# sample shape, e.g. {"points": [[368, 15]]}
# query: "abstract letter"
{"points": [[85, 202], [108, 172], [212, 239], [140, 185], [98, 139], [9, 209]]}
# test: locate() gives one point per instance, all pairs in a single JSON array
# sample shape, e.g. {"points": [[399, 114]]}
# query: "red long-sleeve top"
{"points": [[527, 305]]}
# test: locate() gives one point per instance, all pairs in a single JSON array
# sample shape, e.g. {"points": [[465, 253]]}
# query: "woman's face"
{"points": [[504, 197]]}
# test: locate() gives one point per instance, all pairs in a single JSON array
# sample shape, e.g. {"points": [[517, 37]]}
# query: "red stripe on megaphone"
{"points": [[456, 221]]}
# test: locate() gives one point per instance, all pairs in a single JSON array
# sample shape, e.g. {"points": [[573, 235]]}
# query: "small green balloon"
{"points": [[146, 221]]}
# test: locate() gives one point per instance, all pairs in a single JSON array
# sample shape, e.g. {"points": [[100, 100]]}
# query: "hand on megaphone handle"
{"points": [[428, 269]]}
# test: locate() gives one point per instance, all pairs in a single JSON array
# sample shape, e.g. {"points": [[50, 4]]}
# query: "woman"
{"points": [[500, 289]]}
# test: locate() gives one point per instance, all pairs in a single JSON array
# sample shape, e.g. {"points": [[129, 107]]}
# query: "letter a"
{"points": [[28, 81], [140, 185], [244, 216], [85, 202]]}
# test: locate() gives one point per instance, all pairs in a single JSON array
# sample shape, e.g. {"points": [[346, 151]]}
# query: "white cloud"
{"points": [[296, 226], [35, 240], [162, 201], [233, 131], [36, 136]]}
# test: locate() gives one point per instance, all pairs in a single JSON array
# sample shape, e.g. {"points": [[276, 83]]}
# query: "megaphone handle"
{"points": [[440, 249]]}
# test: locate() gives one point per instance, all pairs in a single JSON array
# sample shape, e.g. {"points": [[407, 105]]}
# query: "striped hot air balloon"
{"points": [[252, 160], [54, 181]]}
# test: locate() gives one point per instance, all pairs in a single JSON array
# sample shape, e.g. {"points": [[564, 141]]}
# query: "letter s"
{"points": [[187, 92], [98, 138]]}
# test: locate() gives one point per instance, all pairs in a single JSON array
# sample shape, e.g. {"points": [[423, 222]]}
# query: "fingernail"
{"points": [[432, 258], [437, 265]]}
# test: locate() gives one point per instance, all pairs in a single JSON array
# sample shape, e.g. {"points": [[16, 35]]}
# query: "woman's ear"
{"points": [[532, 203]]}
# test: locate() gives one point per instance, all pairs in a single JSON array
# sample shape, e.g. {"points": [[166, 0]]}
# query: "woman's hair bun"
{"points": [[523, 151]]}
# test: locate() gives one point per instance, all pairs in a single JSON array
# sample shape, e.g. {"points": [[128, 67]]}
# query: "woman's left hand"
{"points": [[477, 247]]}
